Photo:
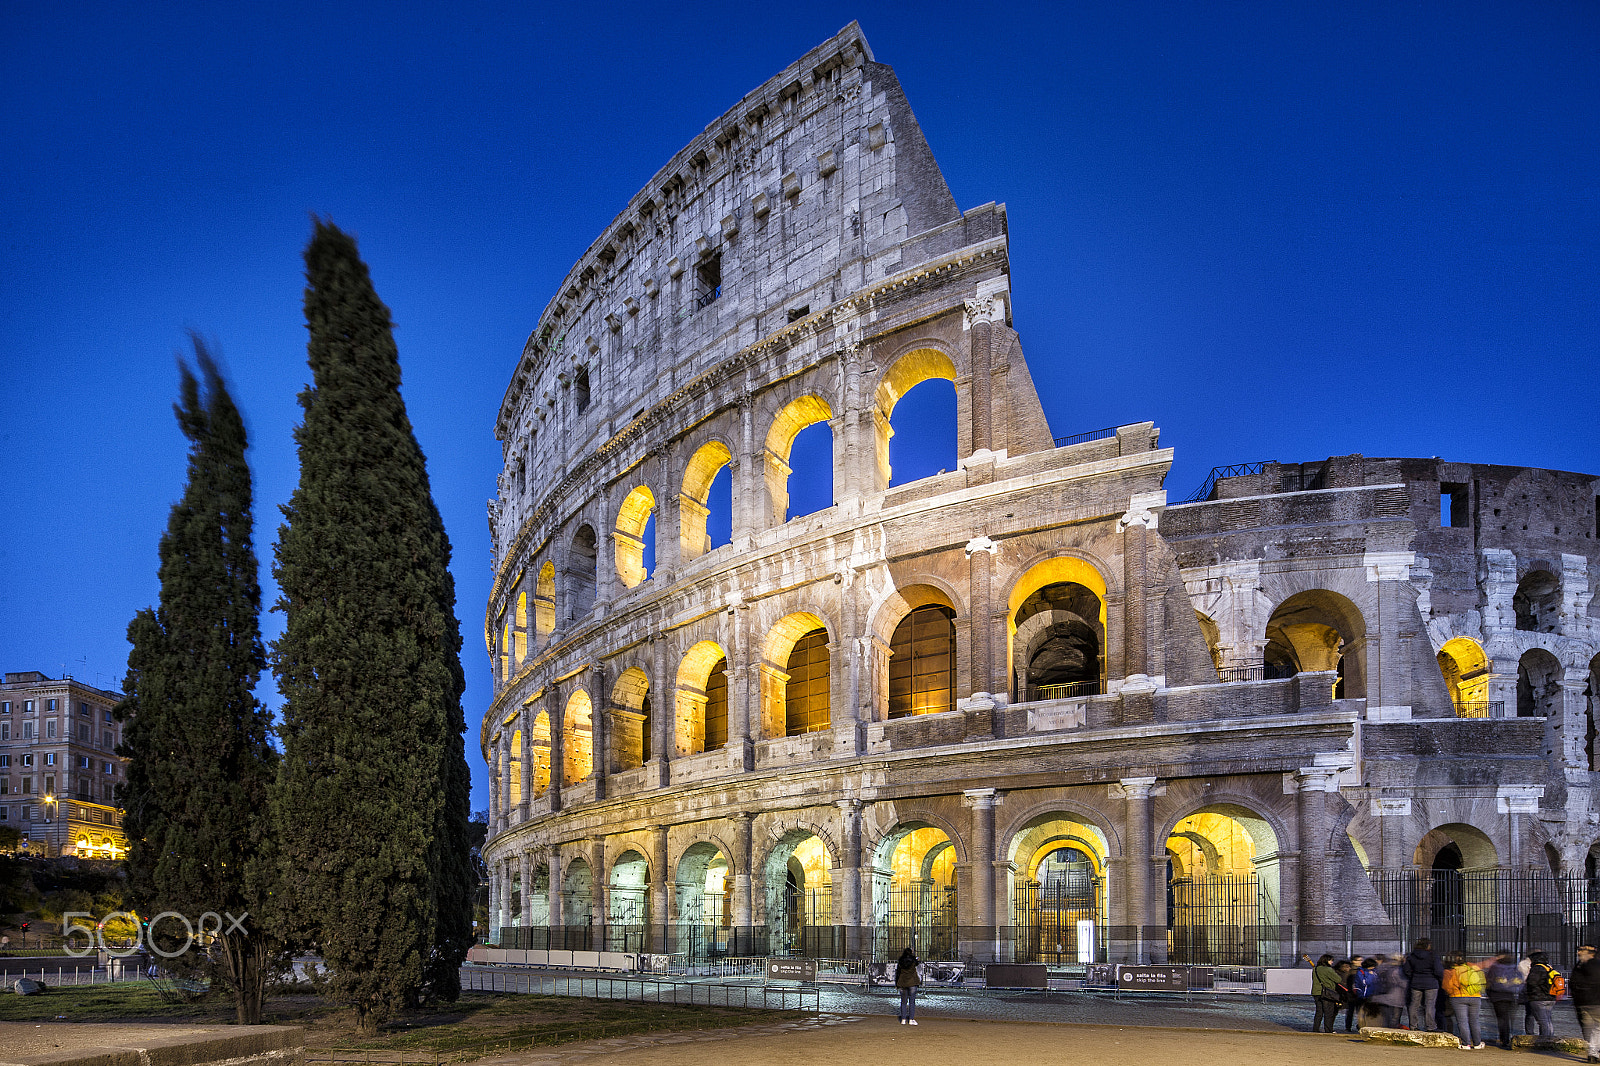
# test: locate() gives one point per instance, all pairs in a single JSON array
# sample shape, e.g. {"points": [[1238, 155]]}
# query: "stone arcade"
{"points": [[1027, 708]]}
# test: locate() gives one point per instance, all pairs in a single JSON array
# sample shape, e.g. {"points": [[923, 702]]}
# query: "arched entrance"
{"points": [[1056, 631], [1465, 668], [1222, 888], [704, 904], [577, 908], [628, 904], [914, 893], [1058, 890], [798, 880], [1318, 630]]}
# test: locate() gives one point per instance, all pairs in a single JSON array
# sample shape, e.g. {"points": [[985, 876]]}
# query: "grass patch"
{"points": [[479, 1024]]}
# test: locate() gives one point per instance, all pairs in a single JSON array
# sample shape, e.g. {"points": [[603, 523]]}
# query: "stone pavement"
{"points": [[860, 1039]]}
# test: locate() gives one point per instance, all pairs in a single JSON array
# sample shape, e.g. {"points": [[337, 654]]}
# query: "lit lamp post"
{"points": [[50, 818]]}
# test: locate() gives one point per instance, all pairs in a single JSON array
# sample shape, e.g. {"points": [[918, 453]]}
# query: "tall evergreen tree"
{"points": [[371, 803], [199, 762]]}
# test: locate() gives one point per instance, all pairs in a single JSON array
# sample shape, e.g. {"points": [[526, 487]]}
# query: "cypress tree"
{"points": [[199, 762], [370, 805]]}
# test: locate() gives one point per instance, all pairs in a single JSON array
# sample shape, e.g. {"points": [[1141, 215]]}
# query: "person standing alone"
{"points": [[906, 979], [1585, 987]]}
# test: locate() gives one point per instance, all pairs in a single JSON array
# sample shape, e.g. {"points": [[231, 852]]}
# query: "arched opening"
{"points": [[1465, 668], [536, 909], [577, 738], [805, 693], [777, 673], [633, 536], [798, 876], [1213, 635], [702, 699], [1591, 739], [1539, 676], [582, 563], [914, 893], [630, 720], [1059, 652], [1060, 641], [544, 603], [1537, 602], [704, 891], [922, 662], [514, 761], [577, 907], [1457, 886], [540, 736], [580, 389], [705, 506], [1222, 887], [1058, 890], [628, 904], [922, 429], [505, 650], [814, 461], [522, 627], [1318, 630]]}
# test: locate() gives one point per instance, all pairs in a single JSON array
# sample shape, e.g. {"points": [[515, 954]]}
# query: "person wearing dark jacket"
{"points": [[1541, 997], [906, 979], [1423, 970], [1326, 994], [1585, 989], [1504, 982]]}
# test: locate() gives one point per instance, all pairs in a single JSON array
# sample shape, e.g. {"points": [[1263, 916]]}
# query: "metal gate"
{"points": [[923, 916], [1483, 911], [1215, 920], [1046, 918]]}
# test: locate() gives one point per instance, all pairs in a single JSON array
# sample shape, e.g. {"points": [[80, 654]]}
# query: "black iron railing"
{"points": [[1220, 472], [1085, 437]]}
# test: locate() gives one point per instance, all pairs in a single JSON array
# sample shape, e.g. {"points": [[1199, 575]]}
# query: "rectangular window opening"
{"points": [[708, 281], [1452, 505]]}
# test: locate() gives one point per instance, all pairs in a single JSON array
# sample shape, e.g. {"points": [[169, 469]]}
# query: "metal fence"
{"points": [[1085, 437], [1483, 911], [640, 989], [1217, 919], [923, 916]]}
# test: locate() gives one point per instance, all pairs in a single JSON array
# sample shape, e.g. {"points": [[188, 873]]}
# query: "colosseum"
{"points": [[1027, 708]]}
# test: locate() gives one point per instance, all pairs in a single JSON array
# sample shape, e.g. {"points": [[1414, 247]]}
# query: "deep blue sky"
{"points": [[1280, 230]]}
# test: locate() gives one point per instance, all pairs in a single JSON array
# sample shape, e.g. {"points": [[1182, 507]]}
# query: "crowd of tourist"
{"points": [[1420, 990]]}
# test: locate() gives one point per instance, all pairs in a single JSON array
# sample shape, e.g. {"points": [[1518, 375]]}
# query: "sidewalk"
{"points": [[855, 1039]]}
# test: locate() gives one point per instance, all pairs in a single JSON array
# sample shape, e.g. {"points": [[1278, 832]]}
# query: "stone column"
{"points": [[525, 719], [557, 918], [847, 878], [743, 883], [602, 891], [980, 553], [494, 900], [599, 728], [749, 487], [525, 873], [981, 801], [660, 878], [1393, 814], [494, 788], [504, 866], [979, 314], [1517, 802], [1313, 783], [663, 713], [1574, 718], [557, 711], [1137, 833]]}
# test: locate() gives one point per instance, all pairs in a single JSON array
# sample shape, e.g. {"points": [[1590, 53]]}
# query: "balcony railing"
{"points": [[1081, 438], [1220, 472], [1257, 672], [1070, 691], [1481, 709]]}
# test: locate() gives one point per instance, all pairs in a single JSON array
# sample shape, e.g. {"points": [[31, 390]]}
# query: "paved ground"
{"points": [[858, 1039], [33, 1038]]}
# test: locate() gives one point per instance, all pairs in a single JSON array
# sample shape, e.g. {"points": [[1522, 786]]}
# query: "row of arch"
{"points": [[633, 533]]}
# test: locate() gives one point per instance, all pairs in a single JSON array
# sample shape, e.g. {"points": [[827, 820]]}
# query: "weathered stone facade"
{"points": [[932, 709]]}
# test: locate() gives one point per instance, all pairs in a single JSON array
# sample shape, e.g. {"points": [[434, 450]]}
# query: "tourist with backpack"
{"points": [[1390, 999], [1545, 986], [1464, 983], [1326, 993], [1504, 985], [1363, 986], [1586, 998]]}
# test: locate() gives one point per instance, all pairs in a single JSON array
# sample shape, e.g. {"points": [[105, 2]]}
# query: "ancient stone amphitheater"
{"points": [[1027, 708]]}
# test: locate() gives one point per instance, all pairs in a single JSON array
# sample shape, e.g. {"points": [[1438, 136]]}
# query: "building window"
{"points": [[5, 760], [106, 767], [108, 718], [27, 786], [5, 730], [83, 710], [110, 742], [83, 732], [5, 786], [50, 729], [708, 281], [5, 814], [50, 706], [27, 706], [5, 706], [49, 784], [580, 389], [806, 692], [49, 758], [717, 707], [84, 763], [27, 760], [922, 662], [27, 730]]}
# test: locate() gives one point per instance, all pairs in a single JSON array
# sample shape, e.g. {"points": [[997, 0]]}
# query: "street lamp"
{"points": [[50, 818]]}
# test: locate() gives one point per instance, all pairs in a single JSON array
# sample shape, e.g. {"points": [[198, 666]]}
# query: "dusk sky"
{"points": [[1279, 230]]}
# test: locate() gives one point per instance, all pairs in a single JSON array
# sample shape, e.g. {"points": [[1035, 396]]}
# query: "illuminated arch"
{"points": [[786, 425], [1318, 629], [630, 720], [539, 734], [1465, 668], [693, 511], [777, 657], [521, 628], [906, 373], [633, 519], [578, 738], [514, 761], [544, 603], [697, 723], [1060, 570]]}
